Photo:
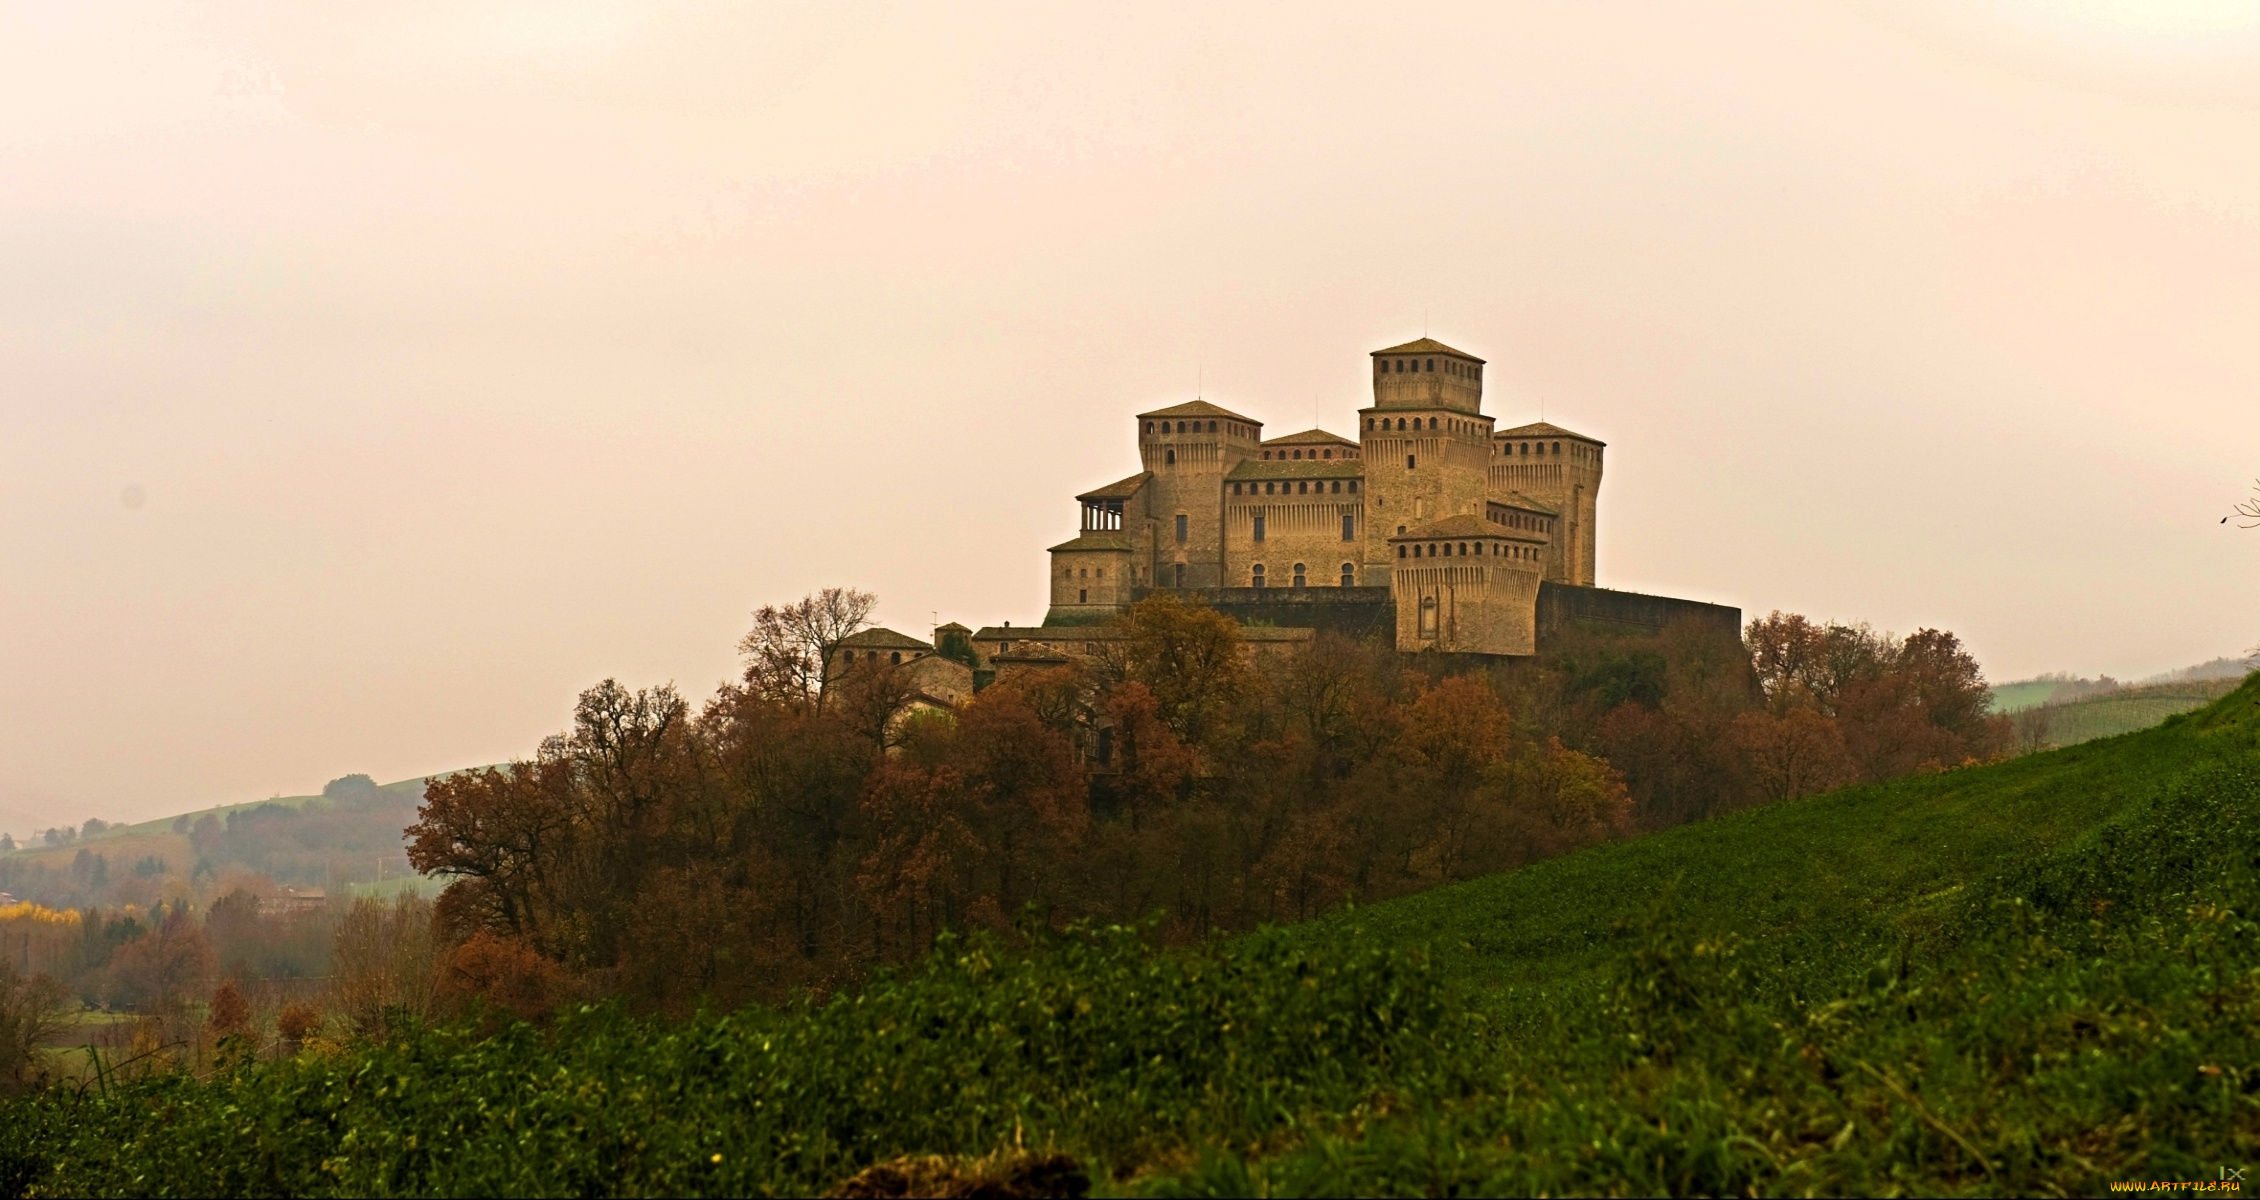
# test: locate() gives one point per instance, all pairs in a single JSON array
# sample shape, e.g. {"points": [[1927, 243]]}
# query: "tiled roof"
{"points": [[1121, 489], [1095, 541], [1198, 408], [1305, 468], [1540, 429], [1427, 346], [1463, 525], [881, 639], [1310, 437], [1525, 503]]}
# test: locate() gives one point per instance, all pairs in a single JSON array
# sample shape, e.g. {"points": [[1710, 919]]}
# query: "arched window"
{"points": [[1349, 575], [1299, 580], [1255, 575], [1337, 487], [1432, 422], [895, 658], [1353, 487], [1149, 427], [1416, 552], [1400, 532], [1369, 422], [1169, 456], [1400, 552], [1212, 427], [1463, 552], [1327, 453], [1557, 448], [1267, 487], [1432, 364], [1302, 487]]}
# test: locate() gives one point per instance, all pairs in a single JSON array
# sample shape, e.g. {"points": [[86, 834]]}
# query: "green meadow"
{"points": [[2035, 977]]}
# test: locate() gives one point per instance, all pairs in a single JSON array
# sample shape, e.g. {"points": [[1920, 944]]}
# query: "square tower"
{"points": [[1425, 442], [1187, 449]]}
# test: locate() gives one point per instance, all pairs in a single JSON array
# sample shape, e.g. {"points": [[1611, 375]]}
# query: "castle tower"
{"points": [[1187, 450], [1425, 442], [1561, 469]]}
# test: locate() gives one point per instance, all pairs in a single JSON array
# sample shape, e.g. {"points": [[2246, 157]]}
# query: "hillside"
{"points": [[2035, 977], [348, 837]]}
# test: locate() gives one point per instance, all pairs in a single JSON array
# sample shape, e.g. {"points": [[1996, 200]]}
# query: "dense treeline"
{"points": [[2064, 1019], [803, 825]]}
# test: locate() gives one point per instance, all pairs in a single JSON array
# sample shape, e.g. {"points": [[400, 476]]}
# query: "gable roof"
{"points": [[1310, 437], [1121, 489], [1198, 408], [1538, 429], [881, 639], [1426, 345]]}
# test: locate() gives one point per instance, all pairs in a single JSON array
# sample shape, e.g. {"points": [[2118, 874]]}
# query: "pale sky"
{"points": [[375, 377]]}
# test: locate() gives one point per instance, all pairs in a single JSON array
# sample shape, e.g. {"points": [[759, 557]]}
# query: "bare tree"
{"points": [[2247, 512], [790, 654], [34, 1011], [2032, 728], [386, 961]]}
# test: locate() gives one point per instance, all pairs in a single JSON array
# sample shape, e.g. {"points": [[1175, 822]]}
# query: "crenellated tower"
{"points": [[1561, 470], [1425, 442], [1187, 449]]}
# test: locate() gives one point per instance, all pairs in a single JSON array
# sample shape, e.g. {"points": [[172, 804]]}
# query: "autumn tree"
{"points": [[1190, 658], [791, 652]]}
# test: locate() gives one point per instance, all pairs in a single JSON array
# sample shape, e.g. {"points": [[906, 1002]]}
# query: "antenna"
{"points": [[1200, 380]]}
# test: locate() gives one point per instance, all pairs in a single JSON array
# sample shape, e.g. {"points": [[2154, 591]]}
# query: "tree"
{"points": [[1189, 657], [162, 968], [1794, 754], [2033, 728], [386, 961], [791, 650], [34, 1011], [229, 1014]]}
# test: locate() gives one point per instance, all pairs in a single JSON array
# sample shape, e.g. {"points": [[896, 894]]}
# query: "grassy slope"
{"points": [[1827, 877], [2076, 999], [124, 844], [2136, 708]]}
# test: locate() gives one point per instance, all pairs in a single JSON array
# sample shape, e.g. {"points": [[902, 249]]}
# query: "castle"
{"points": [[1432, 529], [1431, 521]]}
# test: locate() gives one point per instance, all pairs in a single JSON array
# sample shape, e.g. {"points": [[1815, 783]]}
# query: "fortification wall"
{"points": [[1353, 612], [1561, 605]]}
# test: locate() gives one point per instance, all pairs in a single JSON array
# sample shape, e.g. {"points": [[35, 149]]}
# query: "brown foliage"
{"points": [[297, 1022], [34, 1011], [228, 1014], [509, 975]]}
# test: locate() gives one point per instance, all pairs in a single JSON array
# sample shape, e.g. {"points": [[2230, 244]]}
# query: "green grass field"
{"points": [[2093, 717], [2035, 977]]}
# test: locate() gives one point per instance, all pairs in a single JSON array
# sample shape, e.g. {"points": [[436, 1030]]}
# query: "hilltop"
{"points": [[2031, 977], [347, 837]]}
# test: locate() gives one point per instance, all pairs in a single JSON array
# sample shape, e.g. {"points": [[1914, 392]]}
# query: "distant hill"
{"points": [[348, 838]]}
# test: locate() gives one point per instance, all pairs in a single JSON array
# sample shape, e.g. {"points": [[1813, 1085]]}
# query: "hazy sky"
{"points": [[374, 377]]}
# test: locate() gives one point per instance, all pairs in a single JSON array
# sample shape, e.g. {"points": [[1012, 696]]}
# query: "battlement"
{"points": [[1427, 374]]}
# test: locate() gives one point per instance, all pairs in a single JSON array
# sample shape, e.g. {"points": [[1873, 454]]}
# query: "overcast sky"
{"points": [[375, 377]]}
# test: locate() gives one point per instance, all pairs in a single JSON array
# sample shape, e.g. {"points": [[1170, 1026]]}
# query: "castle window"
{"points": [[1259, 530], [895, 658], [1326, 453], [1448, 549], [1102, 573], [1432, 422], [1069, 573], [1428, 616], [1353, 487], [1212, 427], [1086, 572], [1299, 581], [1463, 553], [1349, 528], [1416, 552], [1302, 487], [1410, 462], [1432, 364], [1255, 574], [1149, 427], [1267, 485], [1169, 456], [1180, 574], [1400, 533], [1557, 447], [1083, 596], [1296, 455], [1182, 522], [1400, 549], [1400, 366], [1337, 487], [1369, 422], [1349, 575]]}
